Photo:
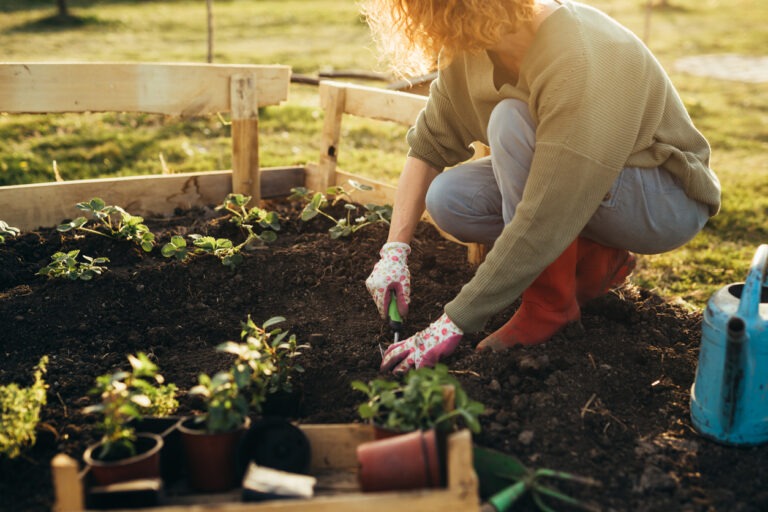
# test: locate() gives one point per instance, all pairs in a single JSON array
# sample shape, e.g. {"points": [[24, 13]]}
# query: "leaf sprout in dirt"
{"points": [[504, 480], [236, 205], [126, 396], [64, 265], [318, 204], [20, 413], [223, 248], [7, 231], [418, 402], [114, 222]]}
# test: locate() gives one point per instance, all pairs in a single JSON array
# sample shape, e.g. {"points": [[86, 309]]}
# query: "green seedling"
{"points": [[113, 221], [419, 402], [226, 405], [129, 395], [276, 347], [7, 231], [504, 480], [20, 413], [352, 220], [236, 204], [64, 265], [223, 248]]}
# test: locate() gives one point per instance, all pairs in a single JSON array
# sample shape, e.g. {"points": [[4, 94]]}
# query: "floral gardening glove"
{"points": [[424, 348], [391, 275]]}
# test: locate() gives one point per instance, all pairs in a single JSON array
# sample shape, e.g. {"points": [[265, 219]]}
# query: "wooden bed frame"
{"points": [[184, 90]]}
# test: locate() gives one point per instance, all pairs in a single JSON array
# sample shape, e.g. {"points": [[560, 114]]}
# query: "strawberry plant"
{"points": [[111, 221], [20, 413], [236, 205], [352, 220], [64, 265], [7, 231], [223, 248]]}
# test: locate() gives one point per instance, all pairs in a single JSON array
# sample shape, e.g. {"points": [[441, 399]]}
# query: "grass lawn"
{"points": [[320, 35]]}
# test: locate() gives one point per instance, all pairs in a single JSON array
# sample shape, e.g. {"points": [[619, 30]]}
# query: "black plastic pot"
{"points": [[172, 453], [276, 443]]}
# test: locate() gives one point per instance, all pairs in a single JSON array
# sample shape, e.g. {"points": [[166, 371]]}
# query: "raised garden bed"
{"points": [[608, 401]]}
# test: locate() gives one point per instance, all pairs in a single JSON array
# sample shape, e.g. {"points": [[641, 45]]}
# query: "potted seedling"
{"points": [[211, 439], [420, 411], [122, 454], [283, 396], [426, 398]]}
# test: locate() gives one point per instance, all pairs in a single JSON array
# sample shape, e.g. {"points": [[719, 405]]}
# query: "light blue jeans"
{"points": [[646, 210]]}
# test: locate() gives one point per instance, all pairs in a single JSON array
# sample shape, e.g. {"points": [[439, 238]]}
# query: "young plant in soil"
{"points": [[7, 231], [241, 215], [127, 395], [418, 403], [113, 222], [318, 204], [64, 265], [223, 248], [20, 413]]}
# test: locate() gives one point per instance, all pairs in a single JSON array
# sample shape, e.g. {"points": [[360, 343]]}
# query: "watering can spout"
{"points": [[733, 370]]}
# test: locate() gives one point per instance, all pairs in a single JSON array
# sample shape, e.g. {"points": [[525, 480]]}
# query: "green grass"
{"points": [[319, 35]]}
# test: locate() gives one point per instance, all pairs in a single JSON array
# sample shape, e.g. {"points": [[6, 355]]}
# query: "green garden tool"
{"points": [[395, 321], [504, 480]]}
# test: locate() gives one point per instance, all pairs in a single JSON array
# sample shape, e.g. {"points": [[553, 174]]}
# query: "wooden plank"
{"points": [[29, 207], [334, 446], [381, 104], [162, 88], [245, 137], [67, 486], [332, 100]]}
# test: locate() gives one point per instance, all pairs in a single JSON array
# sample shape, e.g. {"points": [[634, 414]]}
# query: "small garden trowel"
{"points": [[395, 321]]}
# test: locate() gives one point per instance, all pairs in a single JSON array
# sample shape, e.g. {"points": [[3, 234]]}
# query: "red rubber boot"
{"points": [[549, 304], [600, 269]]}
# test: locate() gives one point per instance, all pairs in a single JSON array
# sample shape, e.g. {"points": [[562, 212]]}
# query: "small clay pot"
{"points": [[402, 462], [145, 464], [172, 453], [211, 458]]}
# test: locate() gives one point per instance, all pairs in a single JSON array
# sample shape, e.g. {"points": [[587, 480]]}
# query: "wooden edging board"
{"points": [[333, 448]]}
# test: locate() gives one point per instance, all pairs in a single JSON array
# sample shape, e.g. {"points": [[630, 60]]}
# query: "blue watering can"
{"points": [[729, 398]]}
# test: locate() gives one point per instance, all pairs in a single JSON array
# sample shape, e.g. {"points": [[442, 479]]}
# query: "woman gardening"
{"points": [[592, 157]]}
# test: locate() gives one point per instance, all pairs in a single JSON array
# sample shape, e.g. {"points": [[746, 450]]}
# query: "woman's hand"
{"points": [[424, 348], [391, 275]]}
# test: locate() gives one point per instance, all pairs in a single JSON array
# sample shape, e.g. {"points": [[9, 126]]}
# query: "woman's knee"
{"points": [[511, 123]]}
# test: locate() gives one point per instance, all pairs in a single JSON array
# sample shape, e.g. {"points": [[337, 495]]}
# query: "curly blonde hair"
{"points": [[411, 33]]}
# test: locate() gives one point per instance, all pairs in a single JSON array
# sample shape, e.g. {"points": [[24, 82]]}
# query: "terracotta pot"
{"points": [[145, 464], [211, 458], [406, 461], [380, 432]]}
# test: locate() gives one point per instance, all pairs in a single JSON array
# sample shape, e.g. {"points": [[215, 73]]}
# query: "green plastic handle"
{"points": [[395, 320]]}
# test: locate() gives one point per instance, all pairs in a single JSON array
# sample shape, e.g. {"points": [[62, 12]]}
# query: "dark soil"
{"points": [[609, 400]]}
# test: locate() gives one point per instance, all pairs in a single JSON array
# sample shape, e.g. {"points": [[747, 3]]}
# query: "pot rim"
{"points": [[184, 429], [92, 461]]}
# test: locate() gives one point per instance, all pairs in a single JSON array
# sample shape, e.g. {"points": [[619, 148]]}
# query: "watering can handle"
{"points": [[749, 306]]}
